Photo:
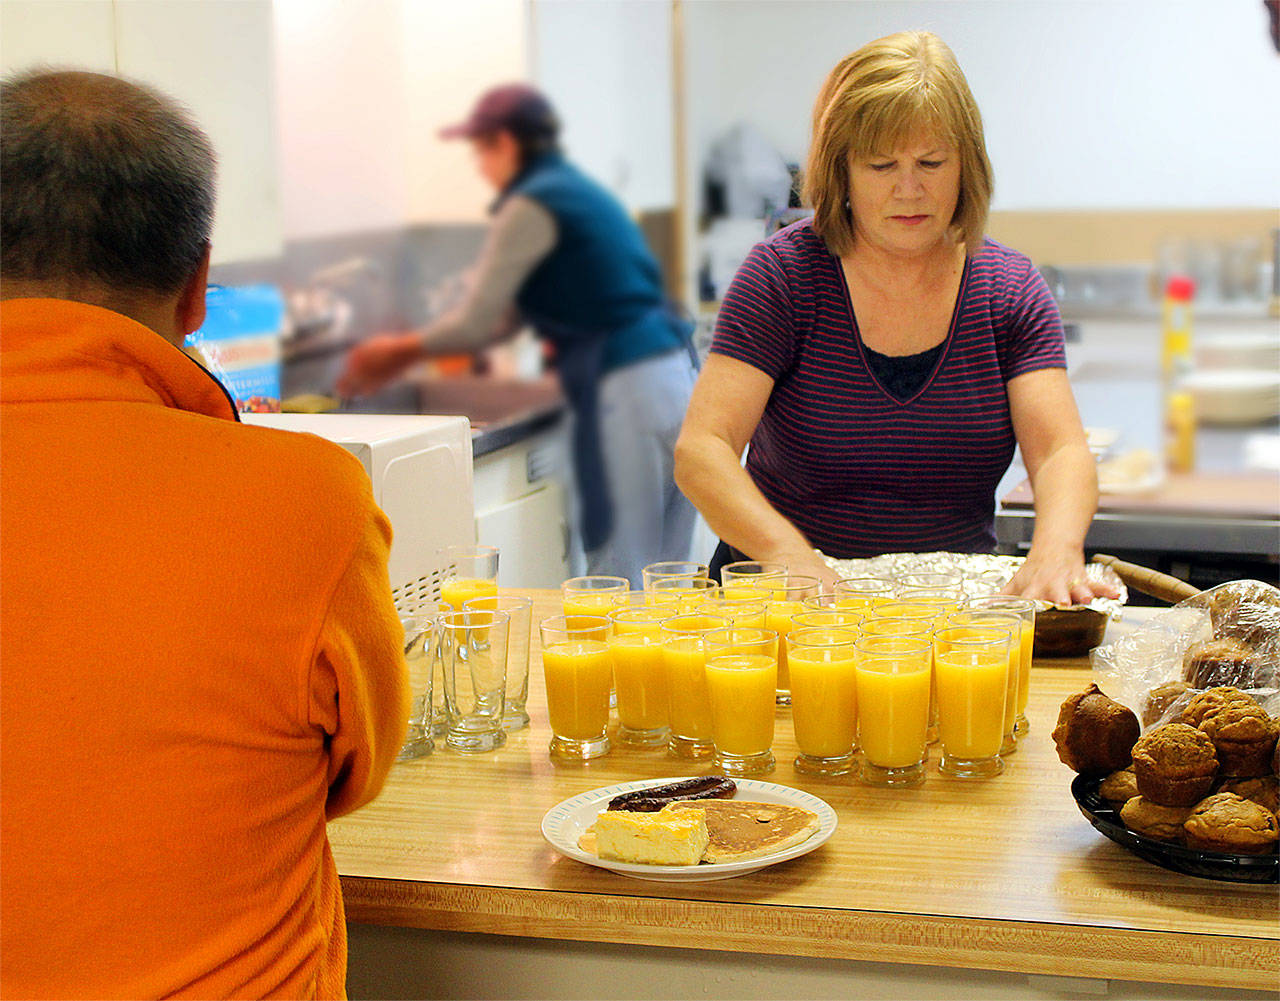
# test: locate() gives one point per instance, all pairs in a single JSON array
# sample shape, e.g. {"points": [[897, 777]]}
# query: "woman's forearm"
{"points": [[712, 477], [1065, 488]]}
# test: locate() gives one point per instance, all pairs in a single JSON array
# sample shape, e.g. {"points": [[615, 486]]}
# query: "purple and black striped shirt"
{"points": [[857, 471]]}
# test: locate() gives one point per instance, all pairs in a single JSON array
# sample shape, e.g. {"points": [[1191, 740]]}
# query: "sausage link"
{"points": [[656, 797]]}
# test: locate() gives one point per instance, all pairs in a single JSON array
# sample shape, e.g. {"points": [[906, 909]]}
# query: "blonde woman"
{"points": [[884, 358]]}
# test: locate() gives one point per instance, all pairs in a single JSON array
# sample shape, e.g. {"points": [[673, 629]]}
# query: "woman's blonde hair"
{"points": [[873, 100]]}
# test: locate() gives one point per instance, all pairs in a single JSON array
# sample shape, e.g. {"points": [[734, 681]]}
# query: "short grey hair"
{"points": [[102, 180]]}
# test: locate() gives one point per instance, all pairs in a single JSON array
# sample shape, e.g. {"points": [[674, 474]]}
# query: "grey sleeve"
{"points": [[521, 235]]}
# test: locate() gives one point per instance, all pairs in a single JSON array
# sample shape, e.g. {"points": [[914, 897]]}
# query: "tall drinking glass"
{"points": [[591, 596], [744, 573], [689, 708], [742, 676], [973, 668], [824, 697], [893, 675], [519, 610], [579, 675], [640, 675], [644, 599], [861, 593], [419, 642], [688, 591], [741, 611], [787, 595], [1025, 609], [472, 650], [829, 618], [672, 568], [469, 572]]}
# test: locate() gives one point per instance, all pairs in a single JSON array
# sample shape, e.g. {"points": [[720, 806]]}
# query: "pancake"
{"points": [[742, 829]]}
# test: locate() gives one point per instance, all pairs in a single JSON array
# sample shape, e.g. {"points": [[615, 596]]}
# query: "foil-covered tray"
{"points": [[976, 567]]}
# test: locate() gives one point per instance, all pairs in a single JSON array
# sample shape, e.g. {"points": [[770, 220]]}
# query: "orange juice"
{"points": [[824, 700], [640, 678], [578, 675], [689, 709], [455, 591], [587, 603], [740, 689], [972, 687], [893, 712], [778, 618]]}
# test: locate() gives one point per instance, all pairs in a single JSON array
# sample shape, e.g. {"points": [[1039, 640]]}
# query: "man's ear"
{"points": [[190, 308]]}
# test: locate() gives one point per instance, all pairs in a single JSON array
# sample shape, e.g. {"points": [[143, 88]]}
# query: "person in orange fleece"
{"points": [[201, 658]]}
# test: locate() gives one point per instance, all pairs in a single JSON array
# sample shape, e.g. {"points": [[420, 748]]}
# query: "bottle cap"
{"points": [[1180, 287]]}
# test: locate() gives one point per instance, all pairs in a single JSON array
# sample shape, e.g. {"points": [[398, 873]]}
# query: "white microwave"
{"points": [[421, 472]]}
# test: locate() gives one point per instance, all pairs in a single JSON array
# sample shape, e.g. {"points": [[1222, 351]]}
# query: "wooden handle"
{"points": [[1152, 582]]}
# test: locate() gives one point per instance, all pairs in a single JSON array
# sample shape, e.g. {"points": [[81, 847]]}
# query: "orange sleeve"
{"points": [[359, 689]]}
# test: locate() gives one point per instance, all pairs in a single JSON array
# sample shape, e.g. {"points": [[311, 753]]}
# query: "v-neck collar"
{"points": [[946, 342]]}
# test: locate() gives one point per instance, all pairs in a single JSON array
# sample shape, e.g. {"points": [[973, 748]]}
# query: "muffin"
{"points": [[1210, 702], [1227, 823], [1219, 662], [1246, 610], [1175, 765], [1161, 699], [1151, 820], [1265, 791], [1243, 736], [1119, 787], [1095, 734]]}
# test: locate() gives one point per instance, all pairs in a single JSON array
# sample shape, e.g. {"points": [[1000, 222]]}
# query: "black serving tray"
{"points": [[1206, 865]]}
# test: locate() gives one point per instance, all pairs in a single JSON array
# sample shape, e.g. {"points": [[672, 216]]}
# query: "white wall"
{"points": [[1087, 103], [606, 66], [363, 88]]}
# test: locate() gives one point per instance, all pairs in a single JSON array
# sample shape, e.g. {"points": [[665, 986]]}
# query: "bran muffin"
{"points": [[1227, 823], [1175, 765], [1163, 698], [1151, 820], [1119, 787], [1211, 701], [1095, 734], [1219, 662], [1244, 737], [1265, 790]]}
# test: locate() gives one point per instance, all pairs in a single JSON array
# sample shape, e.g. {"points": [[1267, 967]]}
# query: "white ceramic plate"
{"points": [[565, 822]]}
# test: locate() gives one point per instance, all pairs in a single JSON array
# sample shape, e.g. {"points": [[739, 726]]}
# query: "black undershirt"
{"points": [[903, 375]]}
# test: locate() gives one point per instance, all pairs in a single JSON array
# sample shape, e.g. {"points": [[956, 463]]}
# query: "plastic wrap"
{"points": [[1228, 636]]}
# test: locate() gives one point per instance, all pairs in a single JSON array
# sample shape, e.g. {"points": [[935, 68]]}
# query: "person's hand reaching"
{"points": [[374, 362], [1058, 577]]}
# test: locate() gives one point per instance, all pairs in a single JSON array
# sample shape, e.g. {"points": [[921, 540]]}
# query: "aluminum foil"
{"points": [[971, 565]]}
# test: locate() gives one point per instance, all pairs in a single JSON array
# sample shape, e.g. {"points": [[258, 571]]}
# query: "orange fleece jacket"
{"points": [[200, 662]]}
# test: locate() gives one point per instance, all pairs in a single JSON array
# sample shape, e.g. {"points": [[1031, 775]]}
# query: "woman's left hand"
{"points": [[1058, 577]]}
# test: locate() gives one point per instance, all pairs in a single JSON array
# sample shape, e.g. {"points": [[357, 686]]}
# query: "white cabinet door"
{"points": [[531, 534], [216, 58], [59, 34]]}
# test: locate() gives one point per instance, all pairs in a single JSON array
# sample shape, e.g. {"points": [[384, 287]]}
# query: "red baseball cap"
{"points": [[516, 107]]}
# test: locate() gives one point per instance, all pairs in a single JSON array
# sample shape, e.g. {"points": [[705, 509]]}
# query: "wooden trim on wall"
{"points": [[1084, 236]]}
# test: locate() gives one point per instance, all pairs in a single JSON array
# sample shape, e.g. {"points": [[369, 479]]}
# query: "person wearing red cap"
{"points": [[564, 256]]}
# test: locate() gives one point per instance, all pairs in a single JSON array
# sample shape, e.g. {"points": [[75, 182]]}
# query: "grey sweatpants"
{"points": [[641, 409]]}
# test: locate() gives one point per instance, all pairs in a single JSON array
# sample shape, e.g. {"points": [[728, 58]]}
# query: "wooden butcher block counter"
{"points": [[1003, 874]]}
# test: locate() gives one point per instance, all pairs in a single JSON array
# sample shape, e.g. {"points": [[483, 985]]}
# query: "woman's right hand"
{"points": [[374, 362]]}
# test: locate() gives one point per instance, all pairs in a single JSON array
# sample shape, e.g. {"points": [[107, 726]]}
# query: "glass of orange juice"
{"points": [[1025, 609], [742, 676], [469, 572], [591, 596], [1011, 622], [579, 677], [684, 655], [940, 578], [893, 675], [747, 572], [786, 595], [972, 667], [826, 618], [687, 591], [741, 611], [860, 593], [672, 568], [639, 675], [643, 599], [824, 696]]}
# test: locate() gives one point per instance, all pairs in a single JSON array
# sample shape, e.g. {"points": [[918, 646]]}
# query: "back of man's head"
{"points": [[107, 185]]}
